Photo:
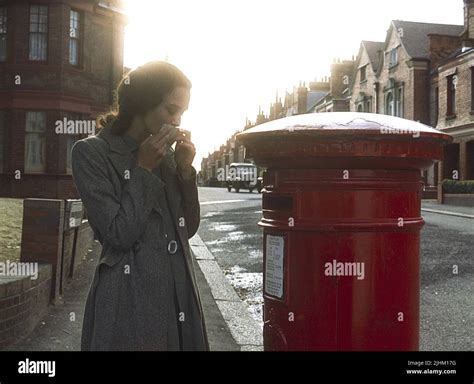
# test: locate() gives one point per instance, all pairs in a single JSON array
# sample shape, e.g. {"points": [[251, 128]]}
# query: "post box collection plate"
{"points": [[274, 265]]}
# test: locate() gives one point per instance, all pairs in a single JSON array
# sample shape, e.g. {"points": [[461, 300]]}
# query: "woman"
{"points": [[142, 203]]}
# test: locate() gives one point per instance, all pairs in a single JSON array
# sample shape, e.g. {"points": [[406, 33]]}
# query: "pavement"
{"points": [[450, 210], [229, 323]]}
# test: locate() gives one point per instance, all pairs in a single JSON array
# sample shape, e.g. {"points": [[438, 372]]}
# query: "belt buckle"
{"points": [[172, 247]]}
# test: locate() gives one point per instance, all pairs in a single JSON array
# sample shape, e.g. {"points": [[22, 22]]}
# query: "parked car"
{"points": [[243, 176]]}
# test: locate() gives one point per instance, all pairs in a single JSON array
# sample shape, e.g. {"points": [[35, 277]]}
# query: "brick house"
{"points": [[452, 94], [364, 81], [60, 62], [393, 78]]}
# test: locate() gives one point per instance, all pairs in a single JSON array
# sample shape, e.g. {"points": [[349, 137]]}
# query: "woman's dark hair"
{"points": [[140, 91]]}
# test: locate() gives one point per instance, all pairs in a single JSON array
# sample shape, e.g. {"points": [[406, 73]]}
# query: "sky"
{"points": [[240, 54]]}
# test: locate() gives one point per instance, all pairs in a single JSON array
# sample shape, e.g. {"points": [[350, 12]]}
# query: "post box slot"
{"points": [[278, 203]]}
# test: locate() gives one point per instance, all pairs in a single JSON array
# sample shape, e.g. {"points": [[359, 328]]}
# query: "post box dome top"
{"points": [[321, 140], [342, 123]]}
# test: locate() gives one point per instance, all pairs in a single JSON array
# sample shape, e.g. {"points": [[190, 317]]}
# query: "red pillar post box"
{"points": [[341, 223]]}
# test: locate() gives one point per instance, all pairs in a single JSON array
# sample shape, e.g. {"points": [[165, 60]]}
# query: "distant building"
{"points": [[303, 100], [60, 62], [338, 97], [364, 84]]}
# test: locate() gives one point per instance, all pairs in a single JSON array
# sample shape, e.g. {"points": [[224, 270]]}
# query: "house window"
{"points": [[451, 107], [3, 33], [393, 59], [38, 32], [436, 106], [2, 141], [70, 141], [389, 104], [399, 103], [363, 73], [472, 88], [367, 106], [360, 108], [35, 159], [74, 37]]}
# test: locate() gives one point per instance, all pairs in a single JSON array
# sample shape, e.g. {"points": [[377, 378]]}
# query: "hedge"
{"points": [[453, 186]]}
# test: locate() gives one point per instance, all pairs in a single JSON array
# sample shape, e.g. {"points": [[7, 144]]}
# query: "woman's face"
{"points": [[169, 111]]}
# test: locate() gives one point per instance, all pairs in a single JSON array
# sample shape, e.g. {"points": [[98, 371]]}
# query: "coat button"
{"points": [[136, 246], [172, 247]]}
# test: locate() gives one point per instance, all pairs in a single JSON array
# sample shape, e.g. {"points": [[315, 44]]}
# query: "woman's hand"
{"points": [[184, 155], [153, 149]]}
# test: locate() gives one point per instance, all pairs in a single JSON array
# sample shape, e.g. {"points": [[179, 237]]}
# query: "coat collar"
{"points": [[122, 157]]}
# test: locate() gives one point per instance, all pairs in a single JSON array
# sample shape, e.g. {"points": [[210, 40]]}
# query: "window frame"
{"points": [[71, 140], [451, 96], [4, 33], [78, 39], [399, 110], [393, 57], [3, 116], [472, 89], [363, 71], [391, 105], [42, 135], [38, 33]]}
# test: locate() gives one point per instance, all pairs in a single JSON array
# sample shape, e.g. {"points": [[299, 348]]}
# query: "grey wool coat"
{"points": [[129, 298]]}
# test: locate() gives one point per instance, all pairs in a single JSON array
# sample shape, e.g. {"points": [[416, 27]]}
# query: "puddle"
{"points": [[210, 214], [255, 253], [236, 236], [224, 227]]}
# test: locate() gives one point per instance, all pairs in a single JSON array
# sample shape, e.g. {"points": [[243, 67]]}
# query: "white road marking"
{"points": [[221, 202], [448, 213]]}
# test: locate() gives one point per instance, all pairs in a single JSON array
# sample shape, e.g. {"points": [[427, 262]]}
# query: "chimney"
{"points": [[322, 86], [469, 19], [302, 99]]}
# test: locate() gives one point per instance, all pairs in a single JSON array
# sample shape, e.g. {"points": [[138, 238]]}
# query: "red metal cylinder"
{"points": [[341, 220]]}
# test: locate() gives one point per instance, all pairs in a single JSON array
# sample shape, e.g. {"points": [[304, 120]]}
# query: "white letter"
{"points": [[328, 270], [59, 127]]}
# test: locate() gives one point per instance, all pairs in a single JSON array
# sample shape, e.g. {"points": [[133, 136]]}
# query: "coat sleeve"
{"points": [[120, 220], [192, 210]]}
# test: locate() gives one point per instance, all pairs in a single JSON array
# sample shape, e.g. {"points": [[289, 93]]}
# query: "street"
{"points": [[229, 229]]}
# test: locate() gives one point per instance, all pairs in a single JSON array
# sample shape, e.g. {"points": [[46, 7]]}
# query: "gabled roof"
{"points": [[455, 55], [313, 98], [414, 36], [373, 48]]}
